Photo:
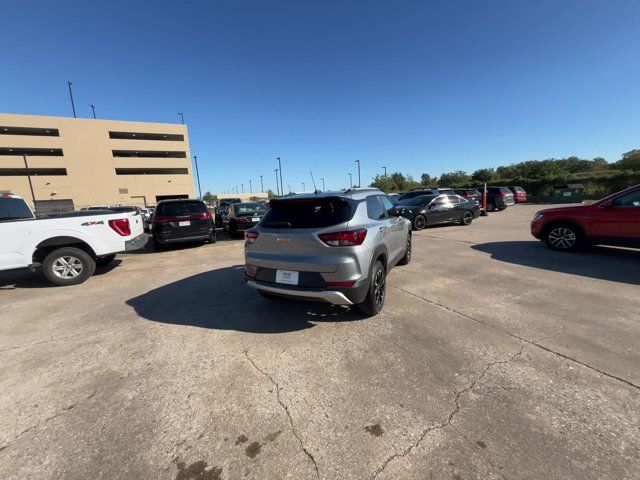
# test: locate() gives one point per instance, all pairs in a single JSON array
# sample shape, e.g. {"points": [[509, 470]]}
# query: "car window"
{"points": [[307, 213], [243, 209], [440, 201], [180, 209], [375, 211], [505, 190], [454, 199], [631, 199], [14, 209], [420, 201], [388, 206]]}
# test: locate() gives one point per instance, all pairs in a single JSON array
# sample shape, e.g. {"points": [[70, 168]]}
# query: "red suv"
{"points": [[519, 194], [614, 220]]}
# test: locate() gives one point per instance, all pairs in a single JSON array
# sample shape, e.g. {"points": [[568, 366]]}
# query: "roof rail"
{"points": [[366, 189]]}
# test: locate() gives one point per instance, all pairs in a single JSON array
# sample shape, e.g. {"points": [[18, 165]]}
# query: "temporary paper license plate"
{"points": [[185, 223], [287, 276]]}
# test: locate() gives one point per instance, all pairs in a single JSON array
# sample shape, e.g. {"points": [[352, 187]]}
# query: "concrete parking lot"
{"points": [[493, 358]]}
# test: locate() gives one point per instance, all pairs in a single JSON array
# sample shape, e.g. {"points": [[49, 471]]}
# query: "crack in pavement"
{"points": [[448, 419], [535, 343], [286, 410]]}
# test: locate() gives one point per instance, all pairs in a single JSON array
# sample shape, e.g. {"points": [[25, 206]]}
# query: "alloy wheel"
{"points": [[379, 288], [467, 218], [420, 222], [67, 267], [562, 238]]}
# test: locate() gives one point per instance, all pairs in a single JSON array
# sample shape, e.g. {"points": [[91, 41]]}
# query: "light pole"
{"points": [[385, 171], [322, 184], [277, 184], [242, 187], [250, 187], [289, 188], [73, 106], [33, 197], [280, 169], [195, 159], [350, 181], [181, 118], [261, 185], [359, 184], [303, 189], [93, 109]]}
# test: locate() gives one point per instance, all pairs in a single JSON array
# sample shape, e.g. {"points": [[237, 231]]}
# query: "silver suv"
{"points": [[335, 247]]}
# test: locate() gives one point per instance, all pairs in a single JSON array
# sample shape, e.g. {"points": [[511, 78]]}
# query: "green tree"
{"points": [[483, 175], [454, 179], [427, 180], [629, 161], [209, 197]]}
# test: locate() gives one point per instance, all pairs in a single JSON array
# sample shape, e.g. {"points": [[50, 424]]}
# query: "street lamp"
{"points": [[359, 183], [181, 118], [303, 189], [93, 109], [261, 185], [277, 184], [280, 169], [289, 187], [242, 187], [195, 159], [73, 106], [385, 171], [250, 187], [350, 181], [322, 184]]}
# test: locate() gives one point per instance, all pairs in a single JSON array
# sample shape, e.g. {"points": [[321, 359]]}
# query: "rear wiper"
{"points": [[278, 224]]}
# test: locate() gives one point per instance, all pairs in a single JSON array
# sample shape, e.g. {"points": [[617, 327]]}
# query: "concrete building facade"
{"points": [[79, 162]]}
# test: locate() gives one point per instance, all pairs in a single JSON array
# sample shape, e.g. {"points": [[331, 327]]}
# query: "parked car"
{"points": [[470, 194], [519, 194], [429, 210], [394, 197], [228, 201], [447, 191], [417, 193], [335, 247], [614, 220], [238, 217], [182, 220], [498, 198], [68, 247]]}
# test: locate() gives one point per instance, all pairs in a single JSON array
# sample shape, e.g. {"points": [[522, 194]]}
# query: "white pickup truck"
{"points": [[69, 246]]}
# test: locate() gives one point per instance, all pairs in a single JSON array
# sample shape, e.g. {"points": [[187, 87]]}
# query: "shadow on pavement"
{"points": [[150, 249], [220, 299], [614, 264], [23, 278]]}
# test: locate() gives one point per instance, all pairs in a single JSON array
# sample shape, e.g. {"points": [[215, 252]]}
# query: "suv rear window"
{"points": [[179, 209], [307, 213], [14, 209], [505, 190]]}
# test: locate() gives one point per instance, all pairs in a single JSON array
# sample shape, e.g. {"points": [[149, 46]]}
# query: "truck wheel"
{"points": [[374, 301], [68, 266], [104, 261]]}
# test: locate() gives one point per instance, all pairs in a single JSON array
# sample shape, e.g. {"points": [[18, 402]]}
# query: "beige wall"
{"points": [[87, 155]]}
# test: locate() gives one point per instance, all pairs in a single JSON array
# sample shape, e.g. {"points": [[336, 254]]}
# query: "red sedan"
{"points": [[614, 220]]}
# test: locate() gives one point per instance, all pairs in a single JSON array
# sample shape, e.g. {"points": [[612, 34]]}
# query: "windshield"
{"points": [[420, 201], [179, 209], [307, 213], [14, 209], [244, 209]]}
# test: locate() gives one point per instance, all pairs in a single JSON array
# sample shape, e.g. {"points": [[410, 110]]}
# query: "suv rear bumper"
{"points": [[343, 296]]}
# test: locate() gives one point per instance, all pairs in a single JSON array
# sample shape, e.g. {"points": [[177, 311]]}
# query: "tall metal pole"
{"points": [[322, 184], [93, 109], [250, 187], [242, 187], [280, 168], [73, 105], [303, 189], [261, 185], [350, 181], [277, 184], [359, 184], [385, 171], [181, 118], [195, 158], [289, 188], [33, 197]]}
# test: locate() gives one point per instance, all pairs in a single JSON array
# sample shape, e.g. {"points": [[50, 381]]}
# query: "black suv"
{"points": [[498, 198], [179, 220]]}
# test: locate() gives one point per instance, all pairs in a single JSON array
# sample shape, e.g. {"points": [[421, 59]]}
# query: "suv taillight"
{"points": [[121, 226], [347, 238], [250, 236]]}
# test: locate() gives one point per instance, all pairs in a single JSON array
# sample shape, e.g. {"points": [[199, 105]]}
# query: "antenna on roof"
{"points": [[315, 190]]}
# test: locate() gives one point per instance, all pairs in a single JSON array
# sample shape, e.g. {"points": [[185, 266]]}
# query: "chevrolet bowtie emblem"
{"points": [[283, 240]]}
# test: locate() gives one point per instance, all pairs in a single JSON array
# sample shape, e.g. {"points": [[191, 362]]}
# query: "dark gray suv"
{"points": [[335, 247]]}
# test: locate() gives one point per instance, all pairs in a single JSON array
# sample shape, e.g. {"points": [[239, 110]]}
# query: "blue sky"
{"points": [[412, 85]]}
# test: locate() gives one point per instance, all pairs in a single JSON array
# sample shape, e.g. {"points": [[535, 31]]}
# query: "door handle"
{"points": [[382, 229]]}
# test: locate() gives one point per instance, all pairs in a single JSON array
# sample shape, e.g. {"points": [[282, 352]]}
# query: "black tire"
{"points": [[212, 237], [563, 237], [104, 261], [419, 222], [68, 266], [374, 300], [157, 246], [467, 218], [406, 259]]}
